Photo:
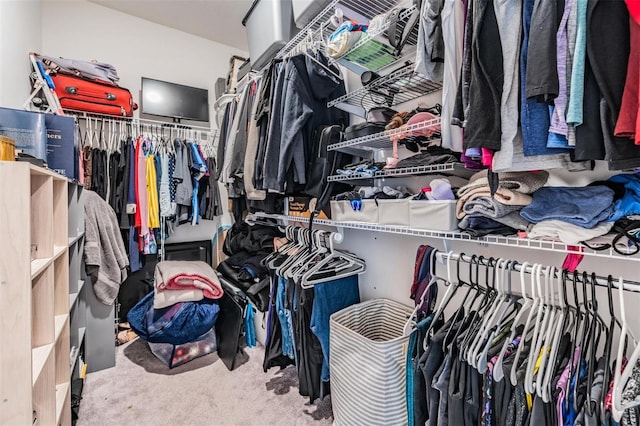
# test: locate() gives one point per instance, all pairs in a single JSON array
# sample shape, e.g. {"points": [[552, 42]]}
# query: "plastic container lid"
{"points": [[6, 139]]}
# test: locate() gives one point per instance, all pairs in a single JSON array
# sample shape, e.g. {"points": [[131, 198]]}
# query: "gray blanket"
{"points": [[105, 258]]}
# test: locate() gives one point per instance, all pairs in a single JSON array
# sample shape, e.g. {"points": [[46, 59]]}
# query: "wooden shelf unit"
{"points": [[34, 296]]}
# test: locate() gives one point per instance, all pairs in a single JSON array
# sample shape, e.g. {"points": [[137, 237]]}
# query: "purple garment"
{"points": [[470, 163], [131, 196], [135, 264], [563, 383], [473, 153], [558, 125]]}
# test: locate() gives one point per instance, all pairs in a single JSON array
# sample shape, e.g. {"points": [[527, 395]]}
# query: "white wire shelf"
{"points": [[395, 88], [542, 245], [373, 52], [319, 29], [457, 169], [366, 145]]}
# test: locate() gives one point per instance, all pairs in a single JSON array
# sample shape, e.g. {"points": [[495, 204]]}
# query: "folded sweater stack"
{"points": [[482, 214]]}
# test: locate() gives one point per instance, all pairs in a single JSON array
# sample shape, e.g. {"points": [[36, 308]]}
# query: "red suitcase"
{"points": [[89, 96]]}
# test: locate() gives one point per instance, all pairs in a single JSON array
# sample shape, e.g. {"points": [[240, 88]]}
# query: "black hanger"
{"points": [[593, 342], [479, 290], [607, 347], [585, 340], [574, 338], [485, 302]]}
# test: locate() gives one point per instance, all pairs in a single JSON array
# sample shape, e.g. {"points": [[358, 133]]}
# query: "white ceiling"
{"points": [[216, 20]]}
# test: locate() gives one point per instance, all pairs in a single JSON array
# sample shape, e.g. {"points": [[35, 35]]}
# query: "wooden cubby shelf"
{"points": [[34, 306]]}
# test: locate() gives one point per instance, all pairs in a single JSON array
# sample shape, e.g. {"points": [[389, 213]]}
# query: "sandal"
{"points": [[126, 336]]}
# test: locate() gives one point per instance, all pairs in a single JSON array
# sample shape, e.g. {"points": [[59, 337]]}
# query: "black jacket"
{"points": [[299, 107]]}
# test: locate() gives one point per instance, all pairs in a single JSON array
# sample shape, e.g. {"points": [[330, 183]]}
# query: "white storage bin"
{"points": [[433, 215], [269, 26], [305, 10], [342, 211], [393, 212]]}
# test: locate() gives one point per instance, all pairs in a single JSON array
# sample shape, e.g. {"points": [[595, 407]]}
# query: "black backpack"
{"points": [[322, 162]]}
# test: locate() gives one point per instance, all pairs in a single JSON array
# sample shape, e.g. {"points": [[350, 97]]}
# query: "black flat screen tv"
{"points": [[174, 100]]}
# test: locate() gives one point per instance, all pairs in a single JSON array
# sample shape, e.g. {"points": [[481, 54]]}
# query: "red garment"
{"points": [[634, 9], [487, 157], [138, 218], [628, 125]]}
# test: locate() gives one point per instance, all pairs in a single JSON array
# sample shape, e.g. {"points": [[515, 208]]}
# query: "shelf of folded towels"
{"points": [[365, 146], [513, 241], [456, 169], [397, 87]]}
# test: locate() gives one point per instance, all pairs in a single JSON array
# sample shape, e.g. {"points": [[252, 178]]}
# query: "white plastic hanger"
{"points": [[509, 302], [537, 339], [498, 371], [490, 316], [535, 288], [555, 343], [548, 336], [618, 406]]}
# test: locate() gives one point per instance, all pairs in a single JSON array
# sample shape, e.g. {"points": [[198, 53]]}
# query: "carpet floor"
{"points": [[141, 390]]}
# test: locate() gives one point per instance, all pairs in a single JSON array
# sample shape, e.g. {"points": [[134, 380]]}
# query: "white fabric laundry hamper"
{"points": [[367, 363]]}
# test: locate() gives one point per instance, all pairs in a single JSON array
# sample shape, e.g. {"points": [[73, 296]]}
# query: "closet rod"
{"points": [[132, 120], [442, 258]]}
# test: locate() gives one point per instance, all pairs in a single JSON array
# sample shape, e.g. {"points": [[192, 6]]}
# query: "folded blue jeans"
{"points": [[329, 298], [585, 207]]}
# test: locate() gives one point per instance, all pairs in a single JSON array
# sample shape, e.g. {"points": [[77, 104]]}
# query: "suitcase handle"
{"points": [[74, 91]]}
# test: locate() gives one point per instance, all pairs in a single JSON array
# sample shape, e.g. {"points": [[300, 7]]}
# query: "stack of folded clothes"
{"points": [[482, 213], [181, 310], [569, 214], [430, 155], [365, 168]]}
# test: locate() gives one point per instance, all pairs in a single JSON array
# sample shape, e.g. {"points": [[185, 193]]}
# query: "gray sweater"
{"points": [[105, 257]]}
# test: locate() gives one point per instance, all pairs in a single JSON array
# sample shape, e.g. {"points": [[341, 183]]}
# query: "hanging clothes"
{"points": [[605, 69], [298, 318], [628, 124], [153, 210], [302, 91]]}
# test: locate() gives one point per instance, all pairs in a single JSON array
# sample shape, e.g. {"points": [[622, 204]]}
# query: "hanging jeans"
{"points": [[329, 298], [287, 336]]}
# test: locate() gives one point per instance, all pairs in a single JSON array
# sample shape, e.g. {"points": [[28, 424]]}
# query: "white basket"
{"points": [[368, 363], [433, 215], [393, 212], [342, 211]]}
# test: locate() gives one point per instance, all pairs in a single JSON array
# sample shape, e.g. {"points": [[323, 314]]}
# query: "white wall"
{"points": [[20, 33], [81, 30]]}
